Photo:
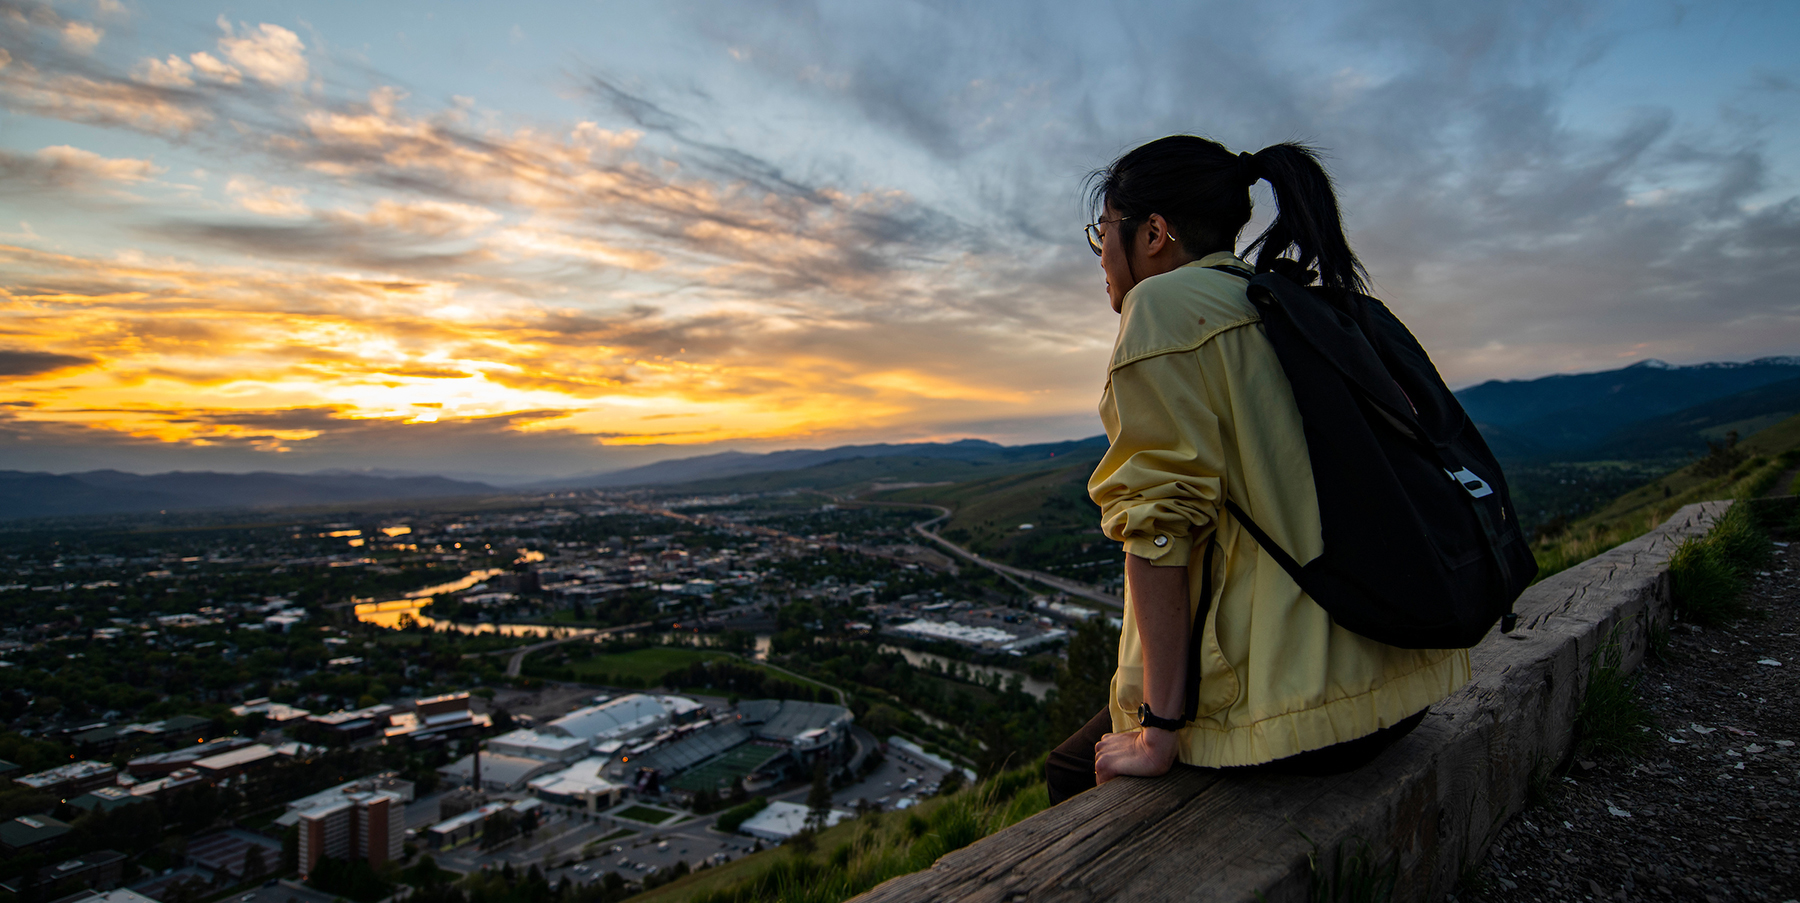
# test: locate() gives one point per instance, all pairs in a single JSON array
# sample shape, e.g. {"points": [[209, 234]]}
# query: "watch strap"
{"points": [[1148, 718]]}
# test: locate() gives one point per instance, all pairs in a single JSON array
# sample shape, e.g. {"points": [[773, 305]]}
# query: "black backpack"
{"points": [[1422, 547]]}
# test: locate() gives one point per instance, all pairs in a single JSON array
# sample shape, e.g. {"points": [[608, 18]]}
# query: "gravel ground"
{"points": [[1710, 810]]}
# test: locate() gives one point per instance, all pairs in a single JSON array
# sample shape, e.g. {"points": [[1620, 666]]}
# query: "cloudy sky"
{"points": [[549, 238]]}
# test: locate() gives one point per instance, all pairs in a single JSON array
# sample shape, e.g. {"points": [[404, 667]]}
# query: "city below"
{"points": [[601, 690]]}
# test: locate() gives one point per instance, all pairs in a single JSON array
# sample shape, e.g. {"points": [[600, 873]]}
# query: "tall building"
{"points": [[369, 826]]}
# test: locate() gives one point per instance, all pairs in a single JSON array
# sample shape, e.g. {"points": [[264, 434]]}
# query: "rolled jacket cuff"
{"points": [[1161, 549]]}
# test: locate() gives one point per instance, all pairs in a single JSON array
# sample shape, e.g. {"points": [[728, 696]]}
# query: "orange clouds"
{"points": [[364, 262], [166, 339]]}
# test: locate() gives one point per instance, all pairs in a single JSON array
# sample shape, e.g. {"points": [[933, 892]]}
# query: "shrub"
{"points": [[1610, 718], [735, 817], [1721, 457], [1708, 571], [1742, 542], [1705, 584]]}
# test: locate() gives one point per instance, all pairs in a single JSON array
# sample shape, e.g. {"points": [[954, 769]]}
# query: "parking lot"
{"points": [[897, 779], [899, 782]]}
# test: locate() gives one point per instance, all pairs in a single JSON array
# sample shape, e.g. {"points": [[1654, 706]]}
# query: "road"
{"points": [[923, 528]]}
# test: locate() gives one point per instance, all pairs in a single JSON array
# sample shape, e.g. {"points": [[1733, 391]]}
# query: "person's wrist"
{"points": [[1159, 739]]}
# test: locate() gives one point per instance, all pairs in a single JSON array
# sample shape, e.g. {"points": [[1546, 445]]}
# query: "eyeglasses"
{"points": [[1096, 238]]}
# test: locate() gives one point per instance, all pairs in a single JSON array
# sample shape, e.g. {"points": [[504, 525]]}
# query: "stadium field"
{"points": [[728, 766]]}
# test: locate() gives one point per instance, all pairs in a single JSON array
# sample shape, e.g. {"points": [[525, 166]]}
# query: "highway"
{"points": [[1073, 588]]}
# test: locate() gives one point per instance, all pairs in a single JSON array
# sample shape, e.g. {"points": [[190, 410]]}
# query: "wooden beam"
{"points": [[1430, 805]]}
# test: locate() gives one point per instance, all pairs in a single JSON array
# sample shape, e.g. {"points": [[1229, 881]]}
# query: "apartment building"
{"points": [[369, 826]]}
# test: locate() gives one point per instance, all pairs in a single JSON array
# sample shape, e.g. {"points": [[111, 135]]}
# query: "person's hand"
{"points": [[1145, 753]]}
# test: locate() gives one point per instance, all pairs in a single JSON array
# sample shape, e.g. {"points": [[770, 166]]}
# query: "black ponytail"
{"points": [[1306, 219], [1203, 190]]}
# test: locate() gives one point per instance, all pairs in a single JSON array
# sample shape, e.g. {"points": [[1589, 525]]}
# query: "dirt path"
{"points": [[1783, 484], [1710, 810]]}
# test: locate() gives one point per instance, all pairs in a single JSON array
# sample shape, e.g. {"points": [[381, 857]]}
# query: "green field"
{"points": [[986, 515], [616, 835], [646, 814], [645, 665], [720, 772]]}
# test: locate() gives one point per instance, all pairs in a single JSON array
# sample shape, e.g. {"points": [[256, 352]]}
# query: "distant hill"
{"points": [[1687, 431], [1566, 414], [113, 492], [939, 458], [988, 514], [847, 469]]}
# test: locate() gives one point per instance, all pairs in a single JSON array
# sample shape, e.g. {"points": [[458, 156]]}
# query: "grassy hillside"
{"points": [[987, 514], [1064, 538], [1749, 471], [1687, 431], [854, 856]]}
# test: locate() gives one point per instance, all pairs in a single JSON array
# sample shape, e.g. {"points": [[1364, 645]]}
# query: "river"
{"points": [[389, 613]]}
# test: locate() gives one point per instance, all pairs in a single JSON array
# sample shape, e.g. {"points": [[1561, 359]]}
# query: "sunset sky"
{"points": [[552, 238]]}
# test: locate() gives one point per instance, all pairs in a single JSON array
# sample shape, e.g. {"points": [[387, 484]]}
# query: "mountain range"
{"points": [[1647, 411], [114, 492], [732, 464]]}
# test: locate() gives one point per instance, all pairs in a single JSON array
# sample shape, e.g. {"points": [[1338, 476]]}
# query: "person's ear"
{"points": [[1157, 234]]}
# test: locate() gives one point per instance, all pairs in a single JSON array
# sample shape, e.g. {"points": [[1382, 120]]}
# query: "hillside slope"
{"points": [[988, 515], [1687, 431], [858, 477], [1751, 469], [725, 465], [1565, 412]]}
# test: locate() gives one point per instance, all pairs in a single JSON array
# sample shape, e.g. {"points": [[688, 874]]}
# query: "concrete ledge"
{"points": [[1431, 804]]}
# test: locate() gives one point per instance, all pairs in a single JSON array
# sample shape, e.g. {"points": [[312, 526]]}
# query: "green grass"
{"points": [[854, 856], [1709, 571], [1611, 719], [986, 515], [644, 665], [734, 818], [729, 766], [1635, 513], [647, 814], [992, 509], [1350, 876]]}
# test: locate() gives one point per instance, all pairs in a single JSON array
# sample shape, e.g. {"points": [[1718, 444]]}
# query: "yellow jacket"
{"points": [[1196, 403]]}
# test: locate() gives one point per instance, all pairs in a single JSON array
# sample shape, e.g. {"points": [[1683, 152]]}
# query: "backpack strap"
{"points": [[1275, 551], [1191, 710], [1508, 620]]}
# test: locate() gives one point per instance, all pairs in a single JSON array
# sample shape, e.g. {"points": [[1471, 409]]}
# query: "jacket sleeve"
{"points": [[1158, 486]]}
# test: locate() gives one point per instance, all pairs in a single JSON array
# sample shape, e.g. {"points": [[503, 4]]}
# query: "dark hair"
{"points": [[1203, 190]]}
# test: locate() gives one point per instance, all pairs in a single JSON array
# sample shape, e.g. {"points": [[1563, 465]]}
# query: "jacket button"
{"points": [[1161, 541]]}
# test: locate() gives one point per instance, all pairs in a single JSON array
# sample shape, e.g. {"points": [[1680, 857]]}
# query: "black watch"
{"points": [[1149, 719]]}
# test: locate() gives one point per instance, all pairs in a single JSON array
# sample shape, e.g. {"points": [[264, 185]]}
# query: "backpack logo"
{"points": [[1475, 486]]}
